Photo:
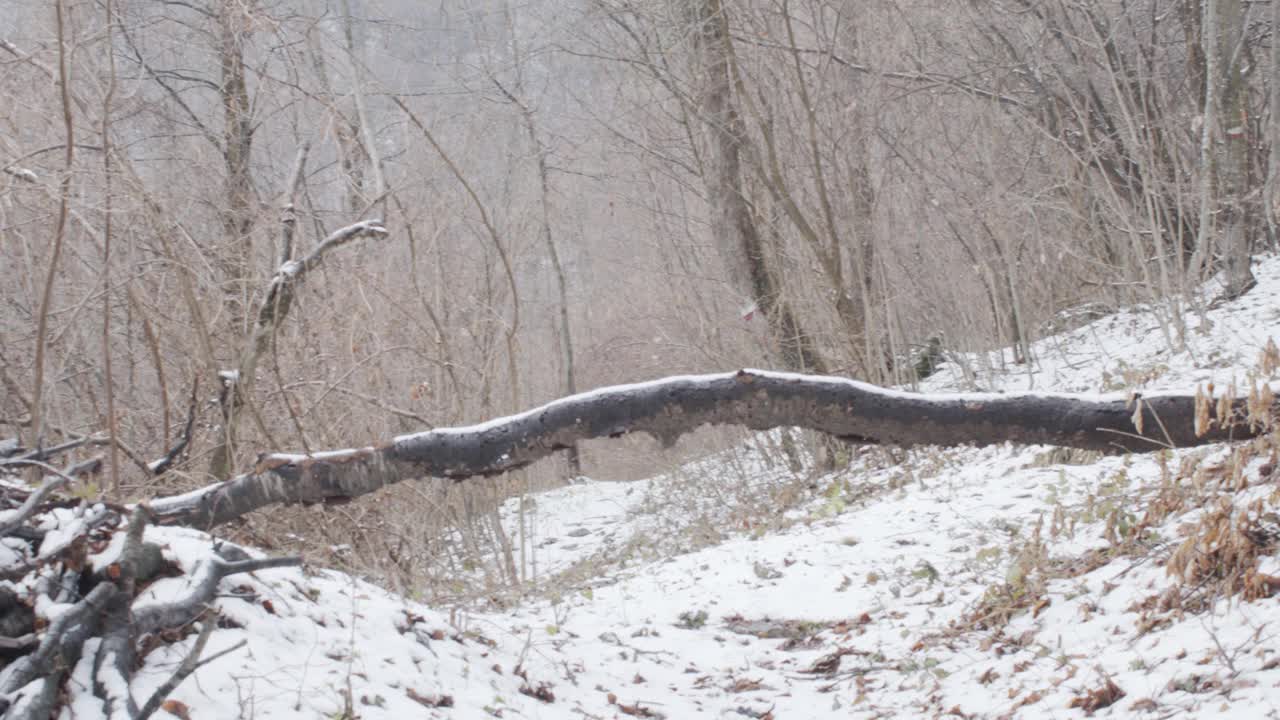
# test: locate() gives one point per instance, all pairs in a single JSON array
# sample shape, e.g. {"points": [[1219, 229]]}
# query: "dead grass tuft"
{"points": [[1094, 700], [1220, 554], [1024, 586]]}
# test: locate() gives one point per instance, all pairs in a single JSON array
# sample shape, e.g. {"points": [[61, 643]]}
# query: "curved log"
{"points": [[671, 407]]}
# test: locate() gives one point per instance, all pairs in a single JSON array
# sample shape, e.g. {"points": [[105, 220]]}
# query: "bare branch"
{"points": [[150, 617], [161, 466], [188, 666], [34, 499], [72, 444], [62, 642]]}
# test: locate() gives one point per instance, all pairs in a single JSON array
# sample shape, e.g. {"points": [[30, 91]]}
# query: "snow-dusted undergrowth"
{"points": [[1002, 582]]}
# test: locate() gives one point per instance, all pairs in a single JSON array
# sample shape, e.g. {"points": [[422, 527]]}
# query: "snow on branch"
{"points": [[22, 173], [34, 500], [154, 616], [293, 269], [671, 407]]}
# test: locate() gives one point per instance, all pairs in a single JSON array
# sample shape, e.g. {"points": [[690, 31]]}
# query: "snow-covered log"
{"points": [[671, 407]]}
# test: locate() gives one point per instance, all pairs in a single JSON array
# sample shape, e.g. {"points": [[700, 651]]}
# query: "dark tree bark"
{"points": [[669, 408]]}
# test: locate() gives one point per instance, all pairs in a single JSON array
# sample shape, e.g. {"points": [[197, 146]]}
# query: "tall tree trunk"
{"points": [[237, 145], [562, 285], [1224, 38], [59, 237], [364, 148], [1273, 130], [733, 223]]}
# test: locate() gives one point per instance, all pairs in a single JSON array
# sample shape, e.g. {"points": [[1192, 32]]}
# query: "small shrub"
{"points": [[691, 620]]}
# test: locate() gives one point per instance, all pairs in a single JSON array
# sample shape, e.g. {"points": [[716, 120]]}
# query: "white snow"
{"points": [[709, 591], [23, 174], [64, 525], [289, 269], [322, 455]]}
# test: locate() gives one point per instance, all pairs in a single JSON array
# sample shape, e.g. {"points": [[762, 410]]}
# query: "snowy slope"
{"points": [[1001, 582]]}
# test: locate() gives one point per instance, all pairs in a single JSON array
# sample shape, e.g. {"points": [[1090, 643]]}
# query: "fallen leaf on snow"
{"points": [[431, 701], [1102, 697], [173, 707]]}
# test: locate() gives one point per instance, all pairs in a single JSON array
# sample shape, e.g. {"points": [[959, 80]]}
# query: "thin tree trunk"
{"points": [[1273, 133], [237, 147], [113, 428], [237, 385], [59, 234], [370, 147], [562, 286]]}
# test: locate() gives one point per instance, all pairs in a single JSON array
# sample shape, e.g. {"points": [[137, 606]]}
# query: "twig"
{"points": [[228, 651], [1118, 447], [46, 453], [85, 467], [159, 467], [374, 401], [78, 440], [188, 666]]}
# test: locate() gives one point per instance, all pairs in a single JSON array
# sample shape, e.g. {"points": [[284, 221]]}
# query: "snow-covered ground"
{"points": [[1006, 582]]}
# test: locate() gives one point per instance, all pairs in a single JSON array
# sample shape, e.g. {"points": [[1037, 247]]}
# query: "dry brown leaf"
{"points": [[431, 701], [742, 685], [174, 707], [1144, 705], [1094, 700], [1203, 402], [1040, 606]]}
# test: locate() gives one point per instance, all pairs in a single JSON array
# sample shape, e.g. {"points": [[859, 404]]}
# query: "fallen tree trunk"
{"points": [[671, 407]]}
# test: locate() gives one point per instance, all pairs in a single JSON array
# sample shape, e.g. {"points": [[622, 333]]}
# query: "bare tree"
{"points": [[734, 224], [1226, 148]]}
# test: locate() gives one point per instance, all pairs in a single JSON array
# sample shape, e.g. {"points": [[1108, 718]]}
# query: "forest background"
{"points": [[237, 226]]}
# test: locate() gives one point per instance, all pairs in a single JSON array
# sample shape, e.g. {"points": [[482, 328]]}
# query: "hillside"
{"points": [[1003, 582]]}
